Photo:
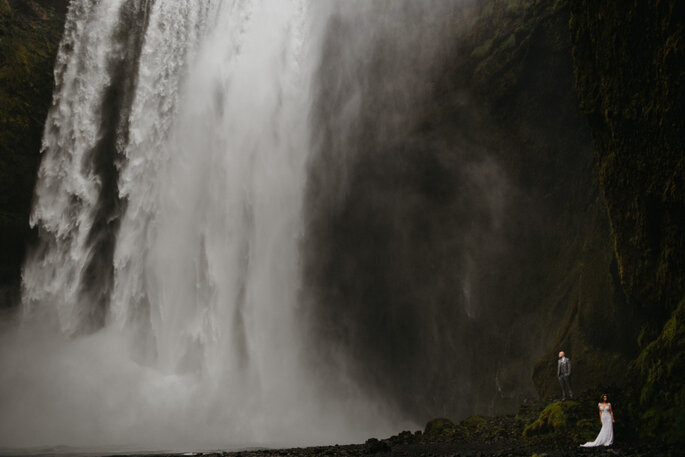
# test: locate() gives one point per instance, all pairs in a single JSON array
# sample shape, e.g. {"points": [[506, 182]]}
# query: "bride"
{"points": [[606, 434]]}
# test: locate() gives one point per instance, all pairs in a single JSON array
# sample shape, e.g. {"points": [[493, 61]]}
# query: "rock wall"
{"points": [[30, 31], [629, 63], [449, 284], [566, 274]]}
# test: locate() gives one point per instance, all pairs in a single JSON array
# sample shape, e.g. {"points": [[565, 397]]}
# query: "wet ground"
{"points": [[449, 448]]}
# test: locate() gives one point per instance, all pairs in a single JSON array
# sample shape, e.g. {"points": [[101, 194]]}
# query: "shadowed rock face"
{"points": [[629, 67], [455, 229], [30, 32], [631, 93]]}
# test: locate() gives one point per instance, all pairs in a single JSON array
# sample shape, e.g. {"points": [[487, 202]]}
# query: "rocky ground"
{"points": [[458, 449], [454, 447], [552, 429]]}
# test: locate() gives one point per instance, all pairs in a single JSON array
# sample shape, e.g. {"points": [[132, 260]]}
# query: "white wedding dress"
{"points": [[606, 434]]}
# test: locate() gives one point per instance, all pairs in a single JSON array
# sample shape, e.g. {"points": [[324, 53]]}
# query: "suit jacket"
{"points": [[563, 367]]}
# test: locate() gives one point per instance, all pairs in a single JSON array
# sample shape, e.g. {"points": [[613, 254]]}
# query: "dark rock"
{"points": [[629, 63], [374, 446], [439, 429], [30, 32]]}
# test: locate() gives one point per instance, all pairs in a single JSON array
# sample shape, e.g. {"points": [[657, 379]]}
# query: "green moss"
{"points": [[474, 422], [5, 9], [510, 42], [29, 37], [438, 429], [586, 430], [555, 418], [483, 49], [662, 366], [477, 426]]}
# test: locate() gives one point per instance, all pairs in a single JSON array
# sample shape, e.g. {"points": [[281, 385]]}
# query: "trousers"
{"points": [[566, 391]]}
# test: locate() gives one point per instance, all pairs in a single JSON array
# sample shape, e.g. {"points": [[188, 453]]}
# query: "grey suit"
{"points": [[563, 373]]}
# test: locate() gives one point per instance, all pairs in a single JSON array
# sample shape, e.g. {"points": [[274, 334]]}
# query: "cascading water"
{"points": [[160, 305]]}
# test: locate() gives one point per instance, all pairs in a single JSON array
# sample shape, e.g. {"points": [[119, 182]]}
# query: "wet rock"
{"points": [[439, 429], [374, 446]]}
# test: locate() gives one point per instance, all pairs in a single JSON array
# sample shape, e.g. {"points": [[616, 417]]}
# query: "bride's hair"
{"points": [[604, 395]]}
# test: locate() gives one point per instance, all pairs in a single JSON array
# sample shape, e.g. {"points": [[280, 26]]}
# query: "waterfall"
{"points": [[160, 303]]}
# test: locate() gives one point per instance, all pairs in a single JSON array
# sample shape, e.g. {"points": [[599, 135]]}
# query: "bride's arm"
{"points": [[612, 413], [599, 407]]}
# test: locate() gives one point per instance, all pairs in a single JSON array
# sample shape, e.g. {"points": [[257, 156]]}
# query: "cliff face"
{"points": [[30, 31], [629, 63], [478, 224], [566, 273], [562, 271], [629, 68]]}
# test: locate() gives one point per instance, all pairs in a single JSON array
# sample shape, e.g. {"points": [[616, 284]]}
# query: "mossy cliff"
{"points": [[496, 122], [563, 279], [611, 256], [516, 61], [30, 31], [629, 60], [629, 69]]}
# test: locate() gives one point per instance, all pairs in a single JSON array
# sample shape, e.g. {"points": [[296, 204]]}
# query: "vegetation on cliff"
{"points": [[612, 291], [623, 317], [30, 31], [564, 270], [519, 51], [629, 64], [495, 196], [662, 366]]}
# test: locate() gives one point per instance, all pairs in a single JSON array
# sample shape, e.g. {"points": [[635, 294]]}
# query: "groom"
{"points": [[563, 373]]}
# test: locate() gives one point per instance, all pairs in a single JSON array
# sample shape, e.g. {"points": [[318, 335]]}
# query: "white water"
{"points": [[201, 345]]}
